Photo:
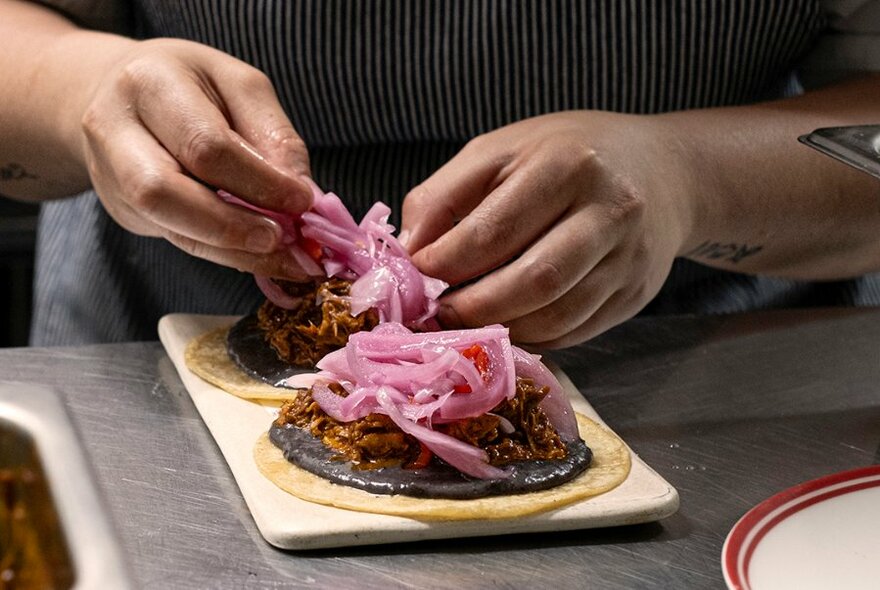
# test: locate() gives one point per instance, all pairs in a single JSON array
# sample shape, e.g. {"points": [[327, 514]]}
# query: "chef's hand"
{"points": [[568, 222], [174, 120]]}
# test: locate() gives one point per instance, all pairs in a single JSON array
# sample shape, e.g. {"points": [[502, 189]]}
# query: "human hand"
{"points": [[171, 122], [568, 222]]}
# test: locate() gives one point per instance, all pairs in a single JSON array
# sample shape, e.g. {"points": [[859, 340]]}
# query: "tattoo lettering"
{"points": [[13, 171], [719, 251]]}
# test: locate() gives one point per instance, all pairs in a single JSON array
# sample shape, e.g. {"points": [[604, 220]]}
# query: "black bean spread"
{"points": [[374, 455]]}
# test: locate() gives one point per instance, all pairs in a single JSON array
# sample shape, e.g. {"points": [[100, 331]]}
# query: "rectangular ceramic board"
{"points": [[290, 523]]}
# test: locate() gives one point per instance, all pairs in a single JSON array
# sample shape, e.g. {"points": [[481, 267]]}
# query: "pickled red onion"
{"points": [[289, 233], [412, 378], [385, 278], [555, 404], [464, 457]]}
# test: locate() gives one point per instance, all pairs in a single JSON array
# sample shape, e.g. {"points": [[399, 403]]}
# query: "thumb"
{"points": [[434, 207]]}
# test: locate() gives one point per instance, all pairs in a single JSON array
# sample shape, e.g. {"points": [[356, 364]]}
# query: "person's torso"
{"points": [[402, 71], [384, 92]]}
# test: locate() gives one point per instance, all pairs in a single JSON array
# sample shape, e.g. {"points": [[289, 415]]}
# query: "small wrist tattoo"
{"points": [[730, 251], [14, 171]]}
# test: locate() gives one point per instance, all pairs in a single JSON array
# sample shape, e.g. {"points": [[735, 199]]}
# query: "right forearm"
{"points": [[51, 68]]}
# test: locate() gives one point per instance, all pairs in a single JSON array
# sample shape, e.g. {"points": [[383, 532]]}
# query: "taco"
{"points": [[441, 425], [362, 276]]}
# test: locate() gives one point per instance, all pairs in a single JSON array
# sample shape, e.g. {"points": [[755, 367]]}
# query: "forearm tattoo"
{"points": [[14, 171], [730, 251]]}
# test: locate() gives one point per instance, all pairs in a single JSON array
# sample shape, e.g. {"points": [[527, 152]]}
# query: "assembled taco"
{"points": [[441, 425]]}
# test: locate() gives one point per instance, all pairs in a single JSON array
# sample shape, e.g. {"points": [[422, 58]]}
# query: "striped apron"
{"points": [[385, 91]]}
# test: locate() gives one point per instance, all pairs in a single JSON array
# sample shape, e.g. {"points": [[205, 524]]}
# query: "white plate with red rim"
{"points": [[824, 533]]}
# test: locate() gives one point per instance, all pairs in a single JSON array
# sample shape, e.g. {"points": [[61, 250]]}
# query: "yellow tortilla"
{"points": [[609, 468], [206, 356]]}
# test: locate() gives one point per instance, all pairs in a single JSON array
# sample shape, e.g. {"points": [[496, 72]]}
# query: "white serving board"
{"points": [[290, 523]]}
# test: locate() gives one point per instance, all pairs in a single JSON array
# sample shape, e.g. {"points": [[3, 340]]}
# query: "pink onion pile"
{"points": [[367, 253], [420, 380]]}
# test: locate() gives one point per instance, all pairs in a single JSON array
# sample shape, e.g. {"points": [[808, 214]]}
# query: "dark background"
{"points": [[18, 223]]}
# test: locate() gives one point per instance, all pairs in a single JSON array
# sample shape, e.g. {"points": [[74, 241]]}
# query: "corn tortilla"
{"points": [[206, 356], [609, 468]]}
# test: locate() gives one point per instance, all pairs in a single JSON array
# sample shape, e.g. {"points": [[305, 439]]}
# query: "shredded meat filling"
{"points": [[320, 324], [533, 436], [369, 443], [375, 441]]}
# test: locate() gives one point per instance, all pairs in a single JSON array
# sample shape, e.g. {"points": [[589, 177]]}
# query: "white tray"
{"points": [[290, 523]]}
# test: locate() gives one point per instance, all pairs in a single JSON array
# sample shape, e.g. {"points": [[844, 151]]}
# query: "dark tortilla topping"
{"points": [[374, 455]]}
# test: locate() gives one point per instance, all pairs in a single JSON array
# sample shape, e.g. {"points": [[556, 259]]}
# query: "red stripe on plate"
{"points": [[736, 540]]}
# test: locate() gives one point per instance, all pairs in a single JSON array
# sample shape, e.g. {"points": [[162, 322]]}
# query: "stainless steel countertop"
{"points": [[730, 410]]}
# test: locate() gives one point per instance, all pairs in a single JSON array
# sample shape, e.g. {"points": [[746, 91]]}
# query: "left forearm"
{"points": [[762, 203]]}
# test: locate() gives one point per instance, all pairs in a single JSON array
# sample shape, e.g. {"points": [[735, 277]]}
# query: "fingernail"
{"points": [[297, 200], [310, 187], [293, 271], [404, 237], [262, 239]]}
